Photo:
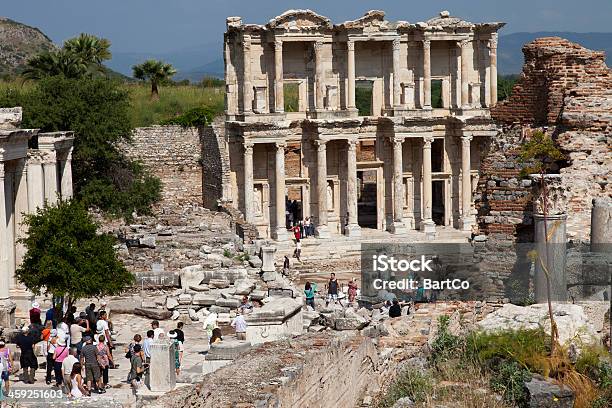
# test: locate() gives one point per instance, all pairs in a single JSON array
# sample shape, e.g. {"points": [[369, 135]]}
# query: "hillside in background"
{"points": [[18, 43], [510, 56]]}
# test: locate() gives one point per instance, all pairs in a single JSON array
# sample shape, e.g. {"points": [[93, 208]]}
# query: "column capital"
{"points": [[492, 43], [466, 139], [248, 147], [426, 44], [278, 44], [352, 145], [280, 145], [396, 44], [463, 43], [427, 141], [317, 45], [350, 44], [320, 144]]}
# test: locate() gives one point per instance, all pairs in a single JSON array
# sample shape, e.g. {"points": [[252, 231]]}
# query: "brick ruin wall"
{"points": [[173, 154], [566, 91]]}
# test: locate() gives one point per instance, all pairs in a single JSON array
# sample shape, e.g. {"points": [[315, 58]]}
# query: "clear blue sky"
{"points": [[166, 25]]}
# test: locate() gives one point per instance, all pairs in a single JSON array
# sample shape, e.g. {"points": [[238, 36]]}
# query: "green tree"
{"points": [[505, 83], [97, 110], [79, 56], [156, 72], [66, 256]]}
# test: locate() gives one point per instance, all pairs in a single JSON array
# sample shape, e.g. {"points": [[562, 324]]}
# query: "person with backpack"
{"points": [[309, 293], [6, 359], [60, 352]]}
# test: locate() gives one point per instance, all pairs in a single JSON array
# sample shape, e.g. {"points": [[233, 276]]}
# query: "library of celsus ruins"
{"points": [[363, 124]]}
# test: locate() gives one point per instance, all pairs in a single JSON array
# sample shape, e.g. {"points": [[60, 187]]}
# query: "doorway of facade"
{"points": [[294, 211], [438, 205], [366, 198], [363, 97]]}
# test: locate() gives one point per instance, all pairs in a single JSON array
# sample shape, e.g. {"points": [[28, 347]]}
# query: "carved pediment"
{"points": [[373, 20], [300, 19], [445, 20]]}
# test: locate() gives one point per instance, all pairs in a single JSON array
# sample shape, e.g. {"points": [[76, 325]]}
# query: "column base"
{"points": [[280, 234], [466, 223], [23, 299], [398, 227], [352, 230], [429, 228], [7, 313], [322, 231]]}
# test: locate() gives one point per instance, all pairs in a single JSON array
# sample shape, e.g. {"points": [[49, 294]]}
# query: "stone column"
{"points": [[550, 237], [397, 89], [5, 241], [66, 184], [484, 78], [247, 89], [280, 233], [36, 189], [427, 224], [319, 80], [427, 74], [21, 208], [493, 69], [398, 226], [601, 225], [279, 97], [466, 184], [9, 191], [350, 63], [162, 372], [352, 229], [321, 227], [465, 91], [50, 170], [248, 181]]}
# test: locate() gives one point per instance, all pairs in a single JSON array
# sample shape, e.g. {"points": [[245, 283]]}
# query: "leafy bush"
{"points": [[412, 383], [194, 117], [508, 380], [445, 344]]}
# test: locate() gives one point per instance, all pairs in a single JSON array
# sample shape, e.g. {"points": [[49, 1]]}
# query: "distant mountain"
{"points": [[18, 43], [510, 57]]}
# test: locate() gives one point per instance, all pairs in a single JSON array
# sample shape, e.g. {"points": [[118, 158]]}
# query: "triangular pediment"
{"points": [[372, 20], [298, 19]]}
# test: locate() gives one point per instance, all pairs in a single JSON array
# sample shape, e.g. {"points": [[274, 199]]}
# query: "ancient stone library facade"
{"points": [[363, 124], [35, 169]]}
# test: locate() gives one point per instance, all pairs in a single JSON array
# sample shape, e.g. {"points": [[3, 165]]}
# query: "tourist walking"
{"points": [[210, 324], [77, 389], [296, 232], [332, 289], [6, 360], [240, 325], [178, 350], [28, 361], [35, 314], [67, 365], [146, 346], [309, 293], [137, 367], [245, 307], [297, 252], [307, 227], [352, 290], [180, 334], [50, 347], [89, 359], [286, 266], [105, 360], [129, 350], [60, 353], [156, 329], [77, 330]]}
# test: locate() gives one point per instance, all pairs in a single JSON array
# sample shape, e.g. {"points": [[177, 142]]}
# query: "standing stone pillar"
{"points": [[493, 69], [66, 184], [279, 95], [552, 251], [321, 228], [601, 225], [398, 226], [36, 187], [465, 91], [397, 89], [248, 182], [267, 262], [50, 170], [247, 88], [9, 191], [352, 229], [485, 74], [280, 233], [5, 277], [319, 80], [21, 208], [162, 372], [351, 73], [427, 74], [466, 184], [427, 224]]}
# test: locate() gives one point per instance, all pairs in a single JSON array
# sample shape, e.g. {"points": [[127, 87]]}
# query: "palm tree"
{"points": [[54, 63], [90, 49], [155, 71]]}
